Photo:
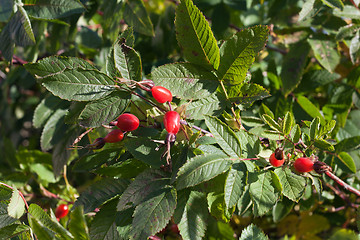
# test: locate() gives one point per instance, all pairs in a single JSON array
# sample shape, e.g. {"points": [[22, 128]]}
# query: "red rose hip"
{"points": [[127, 122], [172, 122], [275, 161], [161, 94], [61, 211], [303, 165], [114, 136]]}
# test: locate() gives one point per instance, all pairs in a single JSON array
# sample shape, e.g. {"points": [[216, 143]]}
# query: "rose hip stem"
{"points": [[197, 128], [321, 167]]}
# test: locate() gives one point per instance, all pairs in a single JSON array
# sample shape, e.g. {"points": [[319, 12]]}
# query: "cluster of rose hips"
{"points": [[302, 164]]}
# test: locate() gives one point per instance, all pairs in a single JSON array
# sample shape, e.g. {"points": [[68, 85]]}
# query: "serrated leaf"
{"points": [[247, 93], [42, 218], [13, 230], [100, 192], [202, 168], [325, 53], [348, 161], [195, 37], [144, 150], [224, 136], [262, 192], [57, 64], [79, 84], [53, 128], [287, 123], [234, 184], [191, 208], [137, 17], [293, 185], [253, 232], [16, 206], [27, 24], [46, 108], [272, 123], [104, 224], [153, 215], [39, 230], [314, 128], [77, 225], [51, 9], [145, 184], [310, 108], [127, 61], [5, 219], [92, 161], [186, 80], [324, 145], [348, 144], [239, 52], [212, 105], [334, 4], [355, 47], [347, 31], [244, 202], [105, 110], [290, 72]]}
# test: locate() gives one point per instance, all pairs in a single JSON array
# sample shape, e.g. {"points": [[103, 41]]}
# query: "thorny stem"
{"points": [[20, 193]]}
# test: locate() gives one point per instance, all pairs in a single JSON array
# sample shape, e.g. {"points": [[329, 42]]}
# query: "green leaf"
{"points": [[315, 78], [326, 53], [306, 10], [95, 160], [154, 214], [105, 110], [51, 9], [46, 108], [40, 230], [6, 9], [315, 128], [334, 4], [235, 183], [195, 37], [253, 232], [212, 105], [144, 150], [247, 93], [348, 144], [136, 16], [262, 192], [13, 230], [271, 122], [295, 133], [244, 202], [53, 128], [56, 65], [324, 145], [218, 207], [16, 206], [104, 224], [349, 12], [287, 123], [293, 185], [202, 168], [142, 187], [355, 47], [348, 161], [347, 31], [27, 24], [224, 136], [291, 73], [127, 61], [100, 192], [77, 225], [79, 84], [344, 234], [192, 208], [239, 52], [282, 209], [38, 214], [5, 219], [328, 127], [186, 80], [310, 108]]}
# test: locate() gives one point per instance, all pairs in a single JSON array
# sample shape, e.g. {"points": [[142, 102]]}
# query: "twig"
{"points": [[197, 128]]}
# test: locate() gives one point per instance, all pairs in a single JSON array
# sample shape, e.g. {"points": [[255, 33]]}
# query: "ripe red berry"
{"points": [[161, 94], [172, 122], [127, 122], [276, 162], [114, 136], [61, 211], [303, 164]]}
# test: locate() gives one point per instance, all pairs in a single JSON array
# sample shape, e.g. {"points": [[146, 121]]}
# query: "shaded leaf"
{"points": [[348, 144], [324, 145], [247, 93], [46, 108], [315, 128], [211, 105], [334, 4], [325, 53], [77, 225], [235, 183], [127, 61], [13, 230], [51, 9], [136, 16]]}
